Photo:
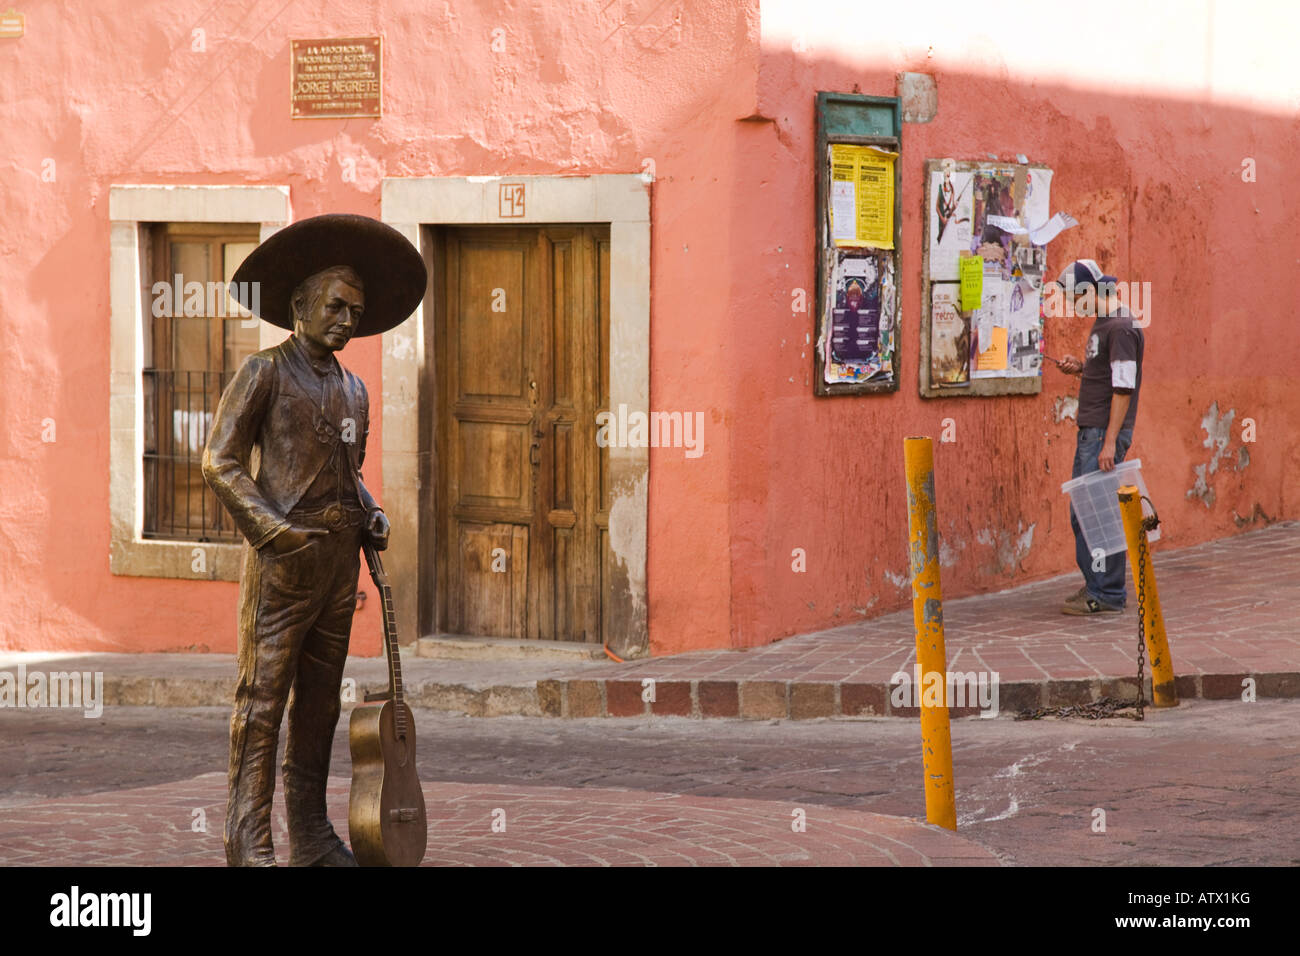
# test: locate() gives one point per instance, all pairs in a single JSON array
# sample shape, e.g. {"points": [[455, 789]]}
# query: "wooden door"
{"points": [[521, 347]]}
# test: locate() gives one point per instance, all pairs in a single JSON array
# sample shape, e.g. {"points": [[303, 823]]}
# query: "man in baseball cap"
{"points": [[1111, 373]]}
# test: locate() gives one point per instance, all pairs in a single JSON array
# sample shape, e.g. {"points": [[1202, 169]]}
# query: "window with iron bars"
{"points": [[195, 339]]}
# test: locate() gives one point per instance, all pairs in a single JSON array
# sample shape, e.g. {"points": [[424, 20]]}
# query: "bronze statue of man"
{"points": [[284, 456]]}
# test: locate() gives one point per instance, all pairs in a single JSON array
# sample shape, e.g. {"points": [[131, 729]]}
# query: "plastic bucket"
{"points": [[1095, 500]]}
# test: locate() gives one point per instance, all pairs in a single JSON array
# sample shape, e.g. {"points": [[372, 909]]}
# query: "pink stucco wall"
{"points": [[1156, 183], [113, 93]]}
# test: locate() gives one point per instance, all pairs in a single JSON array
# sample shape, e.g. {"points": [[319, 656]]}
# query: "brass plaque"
{"points": [[335, 78]]}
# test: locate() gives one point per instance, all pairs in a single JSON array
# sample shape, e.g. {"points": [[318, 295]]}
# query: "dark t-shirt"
{"points": [[1113, 362]]}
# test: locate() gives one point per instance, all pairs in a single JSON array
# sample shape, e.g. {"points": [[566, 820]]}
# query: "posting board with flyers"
{"points": [[984, 258]]}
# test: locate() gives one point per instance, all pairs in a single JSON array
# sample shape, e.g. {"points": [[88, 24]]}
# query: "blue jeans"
{"points": [[1107, 586]]}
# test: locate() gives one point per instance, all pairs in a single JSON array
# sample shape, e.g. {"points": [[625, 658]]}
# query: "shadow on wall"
{"points": [[1163, 194]]}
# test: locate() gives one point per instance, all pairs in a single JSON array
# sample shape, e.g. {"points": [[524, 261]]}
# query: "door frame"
{"points": [[414, 206]]}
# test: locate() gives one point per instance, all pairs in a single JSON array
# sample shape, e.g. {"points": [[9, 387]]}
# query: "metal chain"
{"points": [[1115, 706], [1142, 618]]}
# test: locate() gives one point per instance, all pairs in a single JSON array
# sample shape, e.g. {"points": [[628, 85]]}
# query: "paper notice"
{"points": [[1006, 224], [972, 281], [1049, 230], [844, 226], [862, 196], [994, 357], [989, 326]]}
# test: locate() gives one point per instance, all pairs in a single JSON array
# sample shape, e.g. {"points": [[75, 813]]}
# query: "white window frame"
{"points": [[130, 208]]}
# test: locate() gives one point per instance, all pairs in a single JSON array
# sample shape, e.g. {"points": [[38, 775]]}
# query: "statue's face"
{"points": [[335, 315]]}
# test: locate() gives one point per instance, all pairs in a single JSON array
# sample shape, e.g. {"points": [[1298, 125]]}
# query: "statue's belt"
{"points": [[334, 517]]}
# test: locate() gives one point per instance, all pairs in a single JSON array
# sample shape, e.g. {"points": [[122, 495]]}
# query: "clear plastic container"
{"points": [[1096, 505]]}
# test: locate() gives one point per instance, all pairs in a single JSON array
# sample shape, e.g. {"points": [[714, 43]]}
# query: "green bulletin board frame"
{"points": [[860, 121]]}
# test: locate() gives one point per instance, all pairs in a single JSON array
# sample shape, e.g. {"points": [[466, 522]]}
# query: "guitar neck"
{"points": [[390, 638], [391, 646]]}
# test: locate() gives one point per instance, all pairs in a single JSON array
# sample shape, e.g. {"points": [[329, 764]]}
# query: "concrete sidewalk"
{"points": [[1232, 611]]}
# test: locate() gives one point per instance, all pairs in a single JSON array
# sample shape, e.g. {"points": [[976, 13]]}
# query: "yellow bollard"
{"points": [[927, 612], [1157, 644]]}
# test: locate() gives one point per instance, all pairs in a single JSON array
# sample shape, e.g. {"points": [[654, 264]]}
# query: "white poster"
{"points": [[950, 222], [1038, 197], [1024, 328]]}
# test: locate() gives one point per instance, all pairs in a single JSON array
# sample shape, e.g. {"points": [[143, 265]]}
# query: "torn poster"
{"points": [[1024, 327], [1007, 224], [995, 195], [862, 196], [858, 342], [991, 362], [950, 221], [1038, 189], [1042, 235], [989, 326], [949, 337]]}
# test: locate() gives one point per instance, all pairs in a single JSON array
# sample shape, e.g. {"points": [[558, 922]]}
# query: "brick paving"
{"points": [[1231, 610], [544, 826]]}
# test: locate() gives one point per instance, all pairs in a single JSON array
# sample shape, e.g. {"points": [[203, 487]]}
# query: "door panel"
{"points": [[494, 603], [522, 369], [490, 350]]}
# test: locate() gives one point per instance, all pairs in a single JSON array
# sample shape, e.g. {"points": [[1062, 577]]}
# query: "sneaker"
{"points": [[1078, 595], [1085, 604]]}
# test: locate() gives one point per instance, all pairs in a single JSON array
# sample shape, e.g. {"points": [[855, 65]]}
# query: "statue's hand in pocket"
{"points": [[293, 539]]}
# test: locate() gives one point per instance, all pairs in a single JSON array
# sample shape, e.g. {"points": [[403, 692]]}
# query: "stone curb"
{"points": [[579, 697]]}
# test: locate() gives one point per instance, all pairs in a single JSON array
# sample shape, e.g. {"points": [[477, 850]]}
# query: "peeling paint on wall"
{"points": [[1201, 488], [1217, 435], [1216, 432], [1010, 547], [1066, 406], [897, 580], [627, 537]]}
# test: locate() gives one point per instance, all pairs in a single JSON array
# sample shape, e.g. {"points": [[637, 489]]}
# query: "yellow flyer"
{"points": [[862, 196], [971, 271]]}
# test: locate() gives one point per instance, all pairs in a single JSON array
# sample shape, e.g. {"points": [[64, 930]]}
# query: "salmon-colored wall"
{"points": [[114, 93], [1146, 125], [716, 99]]}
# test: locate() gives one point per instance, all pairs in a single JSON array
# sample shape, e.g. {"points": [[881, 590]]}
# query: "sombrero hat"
{"points": [[391, 268]]}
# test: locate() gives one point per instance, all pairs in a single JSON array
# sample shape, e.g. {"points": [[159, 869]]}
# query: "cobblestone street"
{"points": [[1208, 783]]}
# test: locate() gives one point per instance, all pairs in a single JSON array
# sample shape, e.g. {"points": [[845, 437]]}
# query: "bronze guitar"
{"points": [[386, 808]]}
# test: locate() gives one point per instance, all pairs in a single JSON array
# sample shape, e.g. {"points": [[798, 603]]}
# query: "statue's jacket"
{"points": [[270, 438]]}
